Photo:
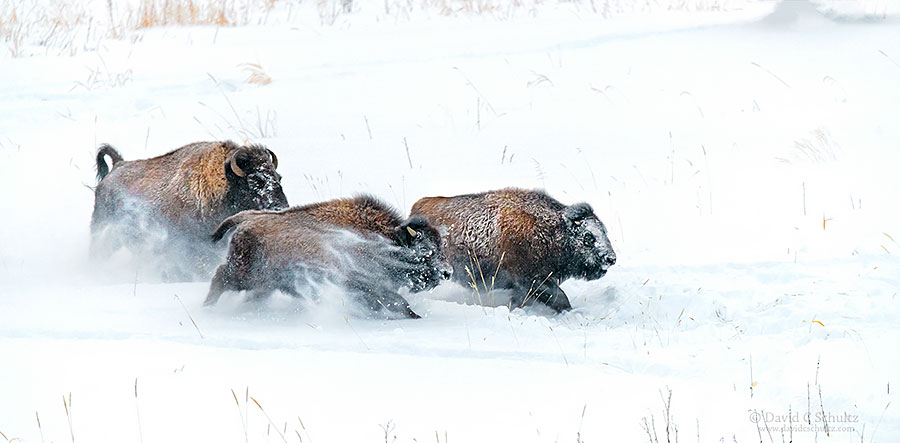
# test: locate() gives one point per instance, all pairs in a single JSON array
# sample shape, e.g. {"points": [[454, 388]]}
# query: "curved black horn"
{"points": [[274, 158], [235, 168]]}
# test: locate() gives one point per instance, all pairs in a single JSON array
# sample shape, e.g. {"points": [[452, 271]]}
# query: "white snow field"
{"points": [[743, 155]]}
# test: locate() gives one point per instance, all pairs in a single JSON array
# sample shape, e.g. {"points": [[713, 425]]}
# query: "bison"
{"points": [[360, 244], [176, 199], [521, 240]]}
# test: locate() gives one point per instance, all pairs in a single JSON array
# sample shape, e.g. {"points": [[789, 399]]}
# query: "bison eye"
{"points": [[588, 239]]}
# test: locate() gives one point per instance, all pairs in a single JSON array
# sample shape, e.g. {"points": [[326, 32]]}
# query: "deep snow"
{"points": [[744, 164]]}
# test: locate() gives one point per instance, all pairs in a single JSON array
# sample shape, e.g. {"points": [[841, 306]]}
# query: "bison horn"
{"points": [[235, 168], [274, 158], [411, 231]]}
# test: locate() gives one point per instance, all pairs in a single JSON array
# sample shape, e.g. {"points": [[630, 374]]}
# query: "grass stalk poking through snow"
{"points": [[580, 424], [68, 407], [533, 290], [671, 428], [189, 315], [474, 285], [40, 429], [302, 426], [242, 414], [408, 158], [347, 320], [138, 409], [271, 423], [559, 345]]}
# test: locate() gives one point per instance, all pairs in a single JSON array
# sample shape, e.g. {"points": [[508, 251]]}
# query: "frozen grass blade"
{"points": [[889, 58], [347, 320], [872, 438], [138, 410], [68, 407], [368, 129], [474, 285], [303, 426], [509, 319], [559, 345], [189, 315], [40, 429], [241, 414], [271, 423], [497, 271], [580, 425], [531, 291], [770, 73], [408, 158]]}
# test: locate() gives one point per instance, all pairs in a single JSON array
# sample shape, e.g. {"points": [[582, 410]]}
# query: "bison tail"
{"points": [[231, 222], [114, 156], [226, 226]]}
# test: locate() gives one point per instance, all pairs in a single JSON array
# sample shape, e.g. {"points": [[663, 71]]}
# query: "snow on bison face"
{"points": [[253, 180], [591, 253], [425, 263]]}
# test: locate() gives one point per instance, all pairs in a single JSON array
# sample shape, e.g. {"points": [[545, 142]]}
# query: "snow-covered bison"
{"points": [[359, 244], [168, 205], [531, 241]]}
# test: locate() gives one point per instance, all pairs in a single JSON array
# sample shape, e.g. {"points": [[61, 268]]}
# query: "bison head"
{"points": [[421, 252], [590, 252], [252, 180]]}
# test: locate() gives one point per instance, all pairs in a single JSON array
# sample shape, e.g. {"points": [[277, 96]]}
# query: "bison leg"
{"points": [[259, 295], [216, 286], [394, 302], [554, 297], [548, 293], [290, 289], [379, 298]]}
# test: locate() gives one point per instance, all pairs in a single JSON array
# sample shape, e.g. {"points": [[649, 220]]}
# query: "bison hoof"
{"points": [[411, 314], [559, 303]]}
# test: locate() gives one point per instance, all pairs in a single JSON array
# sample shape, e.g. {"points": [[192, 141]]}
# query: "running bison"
{"points": [[521, 240], [360, 244], [172, 202]]}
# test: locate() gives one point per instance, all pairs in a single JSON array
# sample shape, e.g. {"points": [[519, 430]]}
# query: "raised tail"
{"points": [[233, 221], [114, 156]]}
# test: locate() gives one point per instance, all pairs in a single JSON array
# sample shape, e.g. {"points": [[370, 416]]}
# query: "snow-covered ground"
{"points": [[744, 161]]}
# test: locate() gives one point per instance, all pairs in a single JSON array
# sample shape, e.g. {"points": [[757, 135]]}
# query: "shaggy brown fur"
{"points": [[360, 243], [186, 192], [541, 241]]}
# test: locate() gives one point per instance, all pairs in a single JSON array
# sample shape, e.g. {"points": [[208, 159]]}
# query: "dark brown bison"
{"points": [[170, 203], [529, 240], [360, 244]]}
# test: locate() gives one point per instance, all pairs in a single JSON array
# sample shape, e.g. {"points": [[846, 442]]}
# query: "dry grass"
{"points": [[69, 27], [256, 74], [819, 148], [263, 127], [670, 428], [184, 12], [65, 28], [102, 77], [55, 24]]}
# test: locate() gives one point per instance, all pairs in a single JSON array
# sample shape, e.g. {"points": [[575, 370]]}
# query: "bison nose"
{"points": [[609, 259], [445, 274]]}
